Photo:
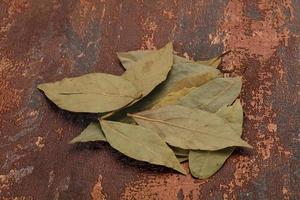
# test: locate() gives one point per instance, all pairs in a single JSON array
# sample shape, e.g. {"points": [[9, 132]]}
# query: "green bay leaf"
{"points": [[189, 128], [204, 164], [214, 94], [91, 133], [140, 143], [91, 93]]}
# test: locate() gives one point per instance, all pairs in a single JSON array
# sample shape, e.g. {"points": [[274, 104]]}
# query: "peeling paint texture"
{"points": [[42, 41]]}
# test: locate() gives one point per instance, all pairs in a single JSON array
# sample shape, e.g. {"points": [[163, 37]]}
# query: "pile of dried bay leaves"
{"points": [[164, 109]]}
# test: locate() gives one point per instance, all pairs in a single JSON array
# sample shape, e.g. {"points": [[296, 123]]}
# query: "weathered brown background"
{"points": [[46, 40]]}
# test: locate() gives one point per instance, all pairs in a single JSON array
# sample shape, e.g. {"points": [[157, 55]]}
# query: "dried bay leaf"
{"points": [[204, 164], [149, 71], [183, 75], [214, 94], [140, 143], [91, 93], [187, 75], [91, 133], [189, 128], [202, 128], [182, 78]]}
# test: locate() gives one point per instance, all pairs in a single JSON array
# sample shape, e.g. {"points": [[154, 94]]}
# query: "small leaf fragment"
{"points": [[91, 93], [204, 164], [189, 128], [214, 94], [140, 143], [91, 133]]}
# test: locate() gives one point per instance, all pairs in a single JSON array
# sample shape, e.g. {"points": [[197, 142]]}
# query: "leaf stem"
{"points": [[107, 115], [220, 56]]}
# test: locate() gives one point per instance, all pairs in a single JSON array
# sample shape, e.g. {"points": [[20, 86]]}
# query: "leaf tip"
{"points": [[73, 141], [182, 171], [40, 86], [246, 145], [43, 87], [169, 44], [249, 146]]}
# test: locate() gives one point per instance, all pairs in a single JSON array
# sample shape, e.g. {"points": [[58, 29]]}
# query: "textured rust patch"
{"points": [[97, 193], [13, 177], [256, 38], [85, 13], [40, 142], [10, 97], [148, 40], [17, 6], [173, 186]]}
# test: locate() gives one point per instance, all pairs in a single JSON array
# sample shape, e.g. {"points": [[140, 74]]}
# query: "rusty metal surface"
{"points": [[46, 40]]}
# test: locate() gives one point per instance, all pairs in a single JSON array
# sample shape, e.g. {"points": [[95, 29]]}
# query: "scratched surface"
{"points": [[42, 41]]}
